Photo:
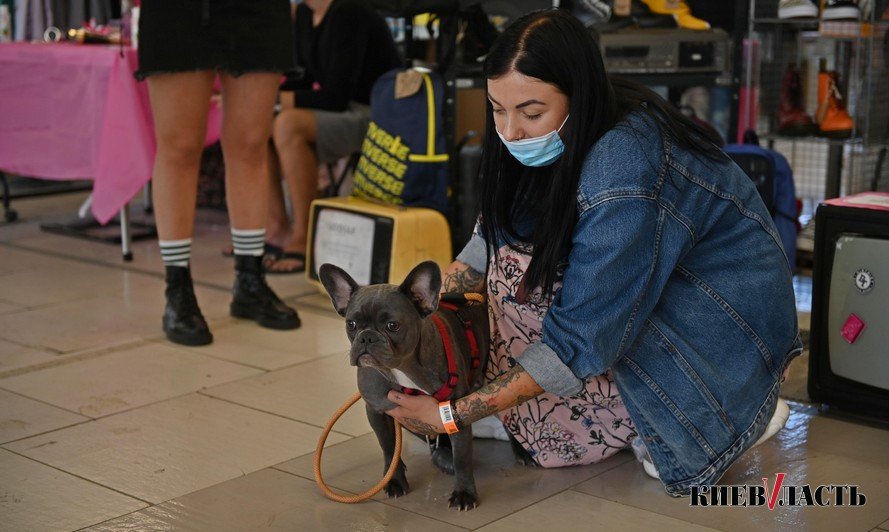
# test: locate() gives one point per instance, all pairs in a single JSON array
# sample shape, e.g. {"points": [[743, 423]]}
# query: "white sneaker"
{"points": [[490, 427], [797, 9], [779, 419], [643, 457], [840, 10]]}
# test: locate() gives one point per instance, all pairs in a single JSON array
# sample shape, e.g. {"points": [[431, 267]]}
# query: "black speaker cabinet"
{"points": [[849, 352]]}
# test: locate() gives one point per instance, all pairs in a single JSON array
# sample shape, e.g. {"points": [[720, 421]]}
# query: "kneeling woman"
{"points": [[622, 247]]}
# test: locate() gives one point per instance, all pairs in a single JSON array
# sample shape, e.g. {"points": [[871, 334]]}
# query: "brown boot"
{"points": [[792, 118]]}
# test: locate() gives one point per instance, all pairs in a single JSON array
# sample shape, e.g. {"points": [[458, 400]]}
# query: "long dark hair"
{"points": [[554, 46]]}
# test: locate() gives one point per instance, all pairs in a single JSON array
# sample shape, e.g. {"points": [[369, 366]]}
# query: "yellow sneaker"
{"points": [[680, 12]]}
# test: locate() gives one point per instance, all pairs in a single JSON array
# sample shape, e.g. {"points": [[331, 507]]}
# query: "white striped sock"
{"points": [[176, 252], [248, 241]]}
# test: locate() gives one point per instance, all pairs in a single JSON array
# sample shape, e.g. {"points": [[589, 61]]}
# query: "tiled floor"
{"points": [[105, 425]]}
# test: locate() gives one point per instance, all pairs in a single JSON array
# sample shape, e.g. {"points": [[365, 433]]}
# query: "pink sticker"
{"points": [[852, 328]]}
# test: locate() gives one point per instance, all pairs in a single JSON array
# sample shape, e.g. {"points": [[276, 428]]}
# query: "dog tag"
{"points": [[852, 328]]}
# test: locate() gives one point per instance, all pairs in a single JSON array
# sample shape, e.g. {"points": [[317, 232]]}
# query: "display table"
{"points": [[70, 111]]}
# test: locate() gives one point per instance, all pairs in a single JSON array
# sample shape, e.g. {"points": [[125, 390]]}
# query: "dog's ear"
{"points": [[422, 286], [339, 285]]}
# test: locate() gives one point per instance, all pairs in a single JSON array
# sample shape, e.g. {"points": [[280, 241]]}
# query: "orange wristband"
{"points": [[447, 417]]}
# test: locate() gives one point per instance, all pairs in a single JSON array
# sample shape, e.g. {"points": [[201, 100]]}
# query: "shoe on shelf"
{"points": [[594, 11], [866, 7], [797, 9], [833, 119], [680, 11], [840, 10], [791, 117], [640, 16]]}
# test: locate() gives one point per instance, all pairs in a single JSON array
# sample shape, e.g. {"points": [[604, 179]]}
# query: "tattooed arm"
{"points": [[460, 278], [420, 413], [510, 389]]}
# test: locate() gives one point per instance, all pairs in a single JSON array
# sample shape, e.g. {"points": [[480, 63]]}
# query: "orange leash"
{"points": [[396, 456], [351, 499], [475, 298]]}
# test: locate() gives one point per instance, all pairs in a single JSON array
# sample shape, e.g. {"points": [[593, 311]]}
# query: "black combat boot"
{"points": [[254, 300], [183, 321]]}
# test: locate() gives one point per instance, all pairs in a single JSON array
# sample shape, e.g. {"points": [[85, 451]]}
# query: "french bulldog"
{"points": [[396, 342]]}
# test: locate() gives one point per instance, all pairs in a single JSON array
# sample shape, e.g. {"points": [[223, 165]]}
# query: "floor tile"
{"points": [[318, 300], [571, 510], [37, 209], [169, 449], [7, 307], [269, 500], [17, 260], [36, 497], [309, 392], [830, 433], [805, 320], [101, 321], [792, 452], [130, 378], [58, 281], [211, 228], [796, 386], [246, 343], [504, 486], [885, 526], [21, 417], [15, 356]]}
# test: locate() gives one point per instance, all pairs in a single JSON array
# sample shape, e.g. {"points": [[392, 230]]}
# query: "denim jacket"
{"points": [[676, 282]]}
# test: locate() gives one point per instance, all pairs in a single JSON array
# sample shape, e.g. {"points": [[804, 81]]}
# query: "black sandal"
{"points": [[293, 255]]}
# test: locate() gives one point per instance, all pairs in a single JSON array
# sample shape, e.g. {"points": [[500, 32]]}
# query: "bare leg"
{"points": [[295, 132], [277, 227], [246, 127], [179, 104]]}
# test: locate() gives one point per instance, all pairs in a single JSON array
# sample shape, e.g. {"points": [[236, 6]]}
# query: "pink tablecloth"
{"points": [[72, 112]]}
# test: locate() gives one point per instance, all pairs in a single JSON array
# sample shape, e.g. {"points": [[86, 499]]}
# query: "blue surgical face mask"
{"points": [[537, 151]]}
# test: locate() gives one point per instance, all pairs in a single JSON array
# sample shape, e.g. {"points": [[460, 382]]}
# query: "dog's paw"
{"points": [[443, 458], [396, 488], [463, 500]]}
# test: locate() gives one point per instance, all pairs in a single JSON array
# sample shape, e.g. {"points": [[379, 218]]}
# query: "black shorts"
{"points": [[235, 36]]}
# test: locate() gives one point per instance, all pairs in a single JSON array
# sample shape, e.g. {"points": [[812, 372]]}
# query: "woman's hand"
{"points": [[418, 413]]}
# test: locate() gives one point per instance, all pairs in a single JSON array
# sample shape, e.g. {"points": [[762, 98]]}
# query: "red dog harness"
{"points": [[450, 384]]}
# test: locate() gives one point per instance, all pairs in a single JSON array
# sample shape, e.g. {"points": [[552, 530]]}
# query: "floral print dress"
{"points": [[556, 431]]}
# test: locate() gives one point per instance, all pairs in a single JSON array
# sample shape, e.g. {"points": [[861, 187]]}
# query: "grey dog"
{"points": [[396, 343]]}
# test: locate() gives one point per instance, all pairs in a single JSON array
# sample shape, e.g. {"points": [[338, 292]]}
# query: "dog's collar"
{"points": [[447, 389]]}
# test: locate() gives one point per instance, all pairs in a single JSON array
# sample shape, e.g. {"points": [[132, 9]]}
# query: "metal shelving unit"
{"points": [[823, 167]]}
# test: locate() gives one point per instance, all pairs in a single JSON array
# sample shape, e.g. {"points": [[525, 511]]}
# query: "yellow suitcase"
{"points": [[374, 243]]}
